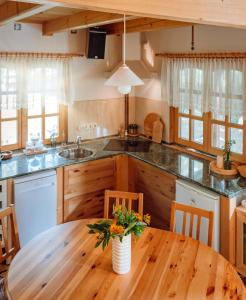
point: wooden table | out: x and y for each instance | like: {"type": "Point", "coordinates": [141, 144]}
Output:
{"type": "Point", "coordinates": [62, 263]}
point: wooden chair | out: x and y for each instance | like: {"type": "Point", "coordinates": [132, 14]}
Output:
{"type": "Point", "coordinates": [9, 244]}
{"type": "Point", "coordinates": [192, 211]}
{"type": "Point", "coordinates": [10, 238]}
{"type": "Point", "coordinates": [122, 198]}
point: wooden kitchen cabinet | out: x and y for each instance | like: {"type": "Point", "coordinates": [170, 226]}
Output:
{"type": "Point", "coordinates": [85, 183]}
{"type": "Point", "coordinates": [158, 188]}
{"type": "Point", "coordinates": [84, 186]}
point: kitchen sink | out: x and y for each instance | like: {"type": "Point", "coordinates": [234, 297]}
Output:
{"type": "Point", "coordinates": [75, 153]}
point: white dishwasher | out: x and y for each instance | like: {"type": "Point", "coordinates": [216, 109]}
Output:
{"type": "Point", "coordinates": [35, 204]}
{"type": "Point", "coordinates": [194, 195]}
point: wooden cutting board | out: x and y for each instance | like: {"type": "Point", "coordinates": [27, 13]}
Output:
{"type": "Point", "coordinates": [149, 123]}
{"type": "Point", "coordinates": [157, 131]}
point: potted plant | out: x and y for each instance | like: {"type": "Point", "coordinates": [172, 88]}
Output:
{"type": "Point", "coordinates": [120, 229]}
{"type": "Point", "coordinates": [227, 154]}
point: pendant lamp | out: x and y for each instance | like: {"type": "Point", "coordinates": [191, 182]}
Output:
{"type": "Point", "coordinates": [124, 78]}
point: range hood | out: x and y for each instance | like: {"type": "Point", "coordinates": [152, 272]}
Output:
{"type": "Point", "coordinates": [137, 66]}
{"type": "Point", "coordinates": [133, 57]}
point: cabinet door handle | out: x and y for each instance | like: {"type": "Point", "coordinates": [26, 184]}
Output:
{"type": "Point", "coordinates": [76, 171]}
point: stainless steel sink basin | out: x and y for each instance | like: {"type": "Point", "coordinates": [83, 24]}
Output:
{"type": "Point", "coordinates": [75, 153]}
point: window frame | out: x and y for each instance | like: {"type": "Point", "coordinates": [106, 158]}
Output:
{"type": "Point", "coordinates": [62, 121]}
{"type": "Point", "coordinates": [18, 121]}
{"type": "Point", "coordinates": [208, 121]}
{"type": "Point", "coordinates": [22, 128]}
{"type": "Point", "coordinates": [189, 142]}
{"type": "Point", "coordinates": [9, 86]}
{"type": "Point", "coordinates": [228, 125]}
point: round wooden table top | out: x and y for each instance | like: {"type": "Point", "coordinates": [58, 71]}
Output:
{"type": "Point", "coordinates": [62, 263]}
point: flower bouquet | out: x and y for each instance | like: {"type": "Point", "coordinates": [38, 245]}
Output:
{"type": "Point", "coordinates": [120, 229]}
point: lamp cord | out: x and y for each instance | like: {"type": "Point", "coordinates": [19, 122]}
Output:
{"type": "Point", "coordinates": [124, 41]}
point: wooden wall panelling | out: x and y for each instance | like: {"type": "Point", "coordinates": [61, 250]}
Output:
{"type": "Point", "coordinates": [10, 192]}
{"type": "Point", "coordinates": [172, 129]}
{"type": "Point", "coordinates": [121, 173]}
{"type": "Point", "coordinates": [158, 188]}
{"type": "Point", "coordinates": [60, 195]}
{"type": "Point", "coordinates": [84, 186]}
{"type": "Point", "coordinates": [131, 175]}
{"type": "Point", "coordinates": [10, 200]}
{"type": "Point", "coordinates": [228, 228]}
{"type": "Point", "coordinates": [240, 244]}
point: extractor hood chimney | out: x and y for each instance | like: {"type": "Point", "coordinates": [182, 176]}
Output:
{"type": "Point", "coordinates": [134, 57]}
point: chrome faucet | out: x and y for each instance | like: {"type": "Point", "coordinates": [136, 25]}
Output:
{"type": "Point", "coordinates": [78, 140]}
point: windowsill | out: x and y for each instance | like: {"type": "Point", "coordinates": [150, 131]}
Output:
{"type": "Point", "coordinates": [192, 151]}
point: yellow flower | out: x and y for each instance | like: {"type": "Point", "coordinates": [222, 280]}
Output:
{"type": "Point", "coordinates": [138, 216]}
{"type": "Point", "coordinates": [116, 229]}
{"type": "Point", "coordinates": [118, 208]}
{"type": "Point", "coordinates": [147, 219]}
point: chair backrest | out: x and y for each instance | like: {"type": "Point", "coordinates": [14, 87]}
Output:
{"type": "Point", "coordinates": [122, 198]}
{"type": "Point", "coordinates": [192, 211]}
{"type": "Point", "coordinates": [10, 243]}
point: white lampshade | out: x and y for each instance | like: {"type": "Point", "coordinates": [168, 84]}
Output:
{"type": "Point", "coordinates": [124, 79]}
{"type": "Point", "coordinates": [125, 89]}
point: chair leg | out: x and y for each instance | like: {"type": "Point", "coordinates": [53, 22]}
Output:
{"type": "Point", "coordinates": [3, 294]}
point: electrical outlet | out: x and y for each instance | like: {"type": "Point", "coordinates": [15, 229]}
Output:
{"type": "Point", "coordinates": [17, 26]}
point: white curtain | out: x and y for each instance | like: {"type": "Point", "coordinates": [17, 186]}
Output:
{"type": "Point", "coordinates": [204, 85]}
{"type": "Point", "coordinates": [25, 80]}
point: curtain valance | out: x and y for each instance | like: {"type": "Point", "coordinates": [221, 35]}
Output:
{"type": "Point", "coordinates": [26, 79]}
{"type": "Point", "coordinates": [205, 85]}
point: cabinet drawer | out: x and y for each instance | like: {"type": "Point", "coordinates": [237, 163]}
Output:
{"type": "Point", "coordinates": [87, 177]}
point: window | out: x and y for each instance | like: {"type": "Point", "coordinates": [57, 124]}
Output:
{"type": "Point", "coordinates": [209, 104]}
{"type": "Point", "coordinates": [9, 120]}
{"type": "Point", "coordinates": [190, 116]}
{"type": "Point", "coordinates": [42, 115]}
{"type": "Point", "coordinates": [227, 122]}
{"type": "Point", "coordinates": [44, 121]}
{"type": "Point", "coordinates": [43, 106]}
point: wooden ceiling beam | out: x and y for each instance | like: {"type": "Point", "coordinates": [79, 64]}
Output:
{"type": "Point", "coordinates": [142, 25]}
{"type": "Point", "coordinates": [11, 11]}
{"type": "Point", "coordinates": [79, 20]}
{"type": "Point", "coordinates": [223, 13]}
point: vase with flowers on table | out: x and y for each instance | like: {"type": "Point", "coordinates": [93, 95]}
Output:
{"type": "Point", "coordinates": [120, 230]}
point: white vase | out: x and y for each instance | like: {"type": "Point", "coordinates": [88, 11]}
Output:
{"type": "Point", "coordinates": [121, 254]}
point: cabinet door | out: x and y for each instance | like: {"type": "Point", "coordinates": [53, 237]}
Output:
{"type": "Point", "coordinates": [84, 186]}
{"type": "Point", "coordinates": [241, 240]}
{"type": "Point", "coordinates": [158, 188]}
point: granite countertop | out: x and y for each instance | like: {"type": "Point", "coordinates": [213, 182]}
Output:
{"type": "Point", "coordinates": [182, 165]}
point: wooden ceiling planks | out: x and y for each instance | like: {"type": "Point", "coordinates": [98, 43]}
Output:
{"type": "Point", "coordinates": [57, 19]}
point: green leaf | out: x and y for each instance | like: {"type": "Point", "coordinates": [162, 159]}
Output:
{"type": "Point", "coordinates": [98, 243]}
